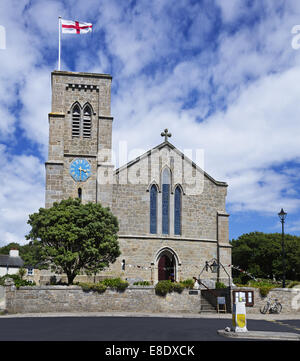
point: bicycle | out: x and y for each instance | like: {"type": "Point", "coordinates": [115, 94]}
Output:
{"type": "Point", "coordinates": [274, 307]}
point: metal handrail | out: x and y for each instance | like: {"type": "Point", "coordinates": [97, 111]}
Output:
{"type": "Point", "coordinates": [209, 290]}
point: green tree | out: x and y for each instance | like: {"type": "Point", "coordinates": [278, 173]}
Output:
{"type": "Point", "coordinates": [9, 246]}
{"type": "Point", "coordinates": [261, 254]}
{"type": "Point", "coordinates": [73, 236]}
{"type": "Point", "coordinates": [30, 254]}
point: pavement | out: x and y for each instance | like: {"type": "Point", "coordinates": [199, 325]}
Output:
{"type": "Point", "coordinates": [261, 335]}
{"type": "Point", "coordinates": [254, 316]}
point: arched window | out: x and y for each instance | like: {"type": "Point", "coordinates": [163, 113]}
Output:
{"type": "Point", "coordinates": [87, 122]}
{"type": "Point", "coordinates": [80, 193]}
{"type": "Point", "coordinates": [76, 121]}
{"type": "Point", "coordinates": [177, 211]}
{"type": "Point", "coordinates": [165, 200]}
{"type": "Point", "coordinates": [153, 209]}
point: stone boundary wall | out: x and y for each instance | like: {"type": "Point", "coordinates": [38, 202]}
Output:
{"type": "Point", "coordinates": [288, 297]}
{"type": "Point", "coordinates": [38, 299]}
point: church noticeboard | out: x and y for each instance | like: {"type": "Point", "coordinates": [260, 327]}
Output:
{"type": "Point", "coordinates": [221, 301]}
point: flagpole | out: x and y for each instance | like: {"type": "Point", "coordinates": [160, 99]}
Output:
{"type": "Point", "coordinates": [59, 40]}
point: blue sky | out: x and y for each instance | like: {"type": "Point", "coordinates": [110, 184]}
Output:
{"type": "Point", "coordinates": [220, 75]}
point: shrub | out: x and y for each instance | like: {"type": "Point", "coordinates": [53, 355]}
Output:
{"type": "Point", "coordinates": [264, 290]}
{"type": "Point", "coordinates": [293, 283]}
{"type": "Point", "coordinates": [264, 286]}
{"type": "Point", "coordinates": [22, 272]}
{"type": "Point", "coordinates": [164, 287]}
{"type": "Point", "coordinates": [220, 285]}
{"type": "Point", "coordinates": [96, 287]}
{"type": "Point", "coordinates": [142, 283]}
{"type": "Point", "coordinates": [115, 283]}
{"type": "Point", "coordinates": [18, 281]}
{"type": "Point", "coordinates": [189, 283]}
{"type": "Point", "coordinates": [178, 287]}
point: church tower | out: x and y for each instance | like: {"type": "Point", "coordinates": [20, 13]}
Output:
{"type": "Point", "coordinates": [80, 137]}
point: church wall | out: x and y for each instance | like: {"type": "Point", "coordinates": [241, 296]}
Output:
{"type": "Point", "coordinates": [140, 255]}
{"type": "Point", "coordinates": [131, 204]}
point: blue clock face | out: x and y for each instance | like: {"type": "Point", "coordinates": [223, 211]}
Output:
{"type": "Point", "coordinates": [80, 170]}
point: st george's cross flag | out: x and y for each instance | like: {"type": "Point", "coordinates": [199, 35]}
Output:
{"type": "Point", "coordinates": [71, 27]}
{"type": "Point", "coordinates": [75, 27]}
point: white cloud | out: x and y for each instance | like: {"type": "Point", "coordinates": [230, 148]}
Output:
{"type": "Point", "coordinates": [244, 84]}
{"type": "Point", "coordinates": [22, 193]}
{"type": "Point", "coordinates": [36, 100]}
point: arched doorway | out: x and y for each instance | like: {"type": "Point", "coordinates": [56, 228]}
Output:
{"type": "Point", "coordinates": [167, 265]}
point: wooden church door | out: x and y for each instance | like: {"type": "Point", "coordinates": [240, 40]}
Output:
{"type": "Point", "coordinates": [166, 270]}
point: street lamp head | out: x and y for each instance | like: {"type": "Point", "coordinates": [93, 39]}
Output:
{"type": "Point", "coordinates": [214, 267]}
{"type": "Point", "coordinates": [282, 214]}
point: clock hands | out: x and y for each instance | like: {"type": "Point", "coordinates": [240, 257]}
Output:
{"type": "Point", "coordinates": [81, 170]}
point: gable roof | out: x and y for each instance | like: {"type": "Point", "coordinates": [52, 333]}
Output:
{"type": "Point", "coordinates": [171, 146]}
{"type": "Point", "coordinates": [8, 261]}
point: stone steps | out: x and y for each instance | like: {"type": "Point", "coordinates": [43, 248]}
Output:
{"type": "Point", "coordinates": [207, 307]}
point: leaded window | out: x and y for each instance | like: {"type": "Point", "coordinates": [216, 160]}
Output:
{"type": "Point", "coordinates": [153, 209]}
{"type": "Point", "coordinates": [165, 200]}
{"type": "Point", "coordinates": [177, 211]}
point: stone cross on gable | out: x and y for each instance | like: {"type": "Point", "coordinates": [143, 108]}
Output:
{"type": "Point", "coordinates": [166, 134]}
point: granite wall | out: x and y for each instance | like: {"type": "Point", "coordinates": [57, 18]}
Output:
{"type": "Point", "coordinates": [74, 299]}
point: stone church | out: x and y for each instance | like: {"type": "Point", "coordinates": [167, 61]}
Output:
{"type": "Point", "coordinates": [172, 216]}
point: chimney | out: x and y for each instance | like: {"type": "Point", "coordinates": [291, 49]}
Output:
{"type": "Point", "coordinates": [14, 253]}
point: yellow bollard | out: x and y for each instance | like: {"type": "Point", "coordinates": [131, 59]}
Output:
{"type": "Point", "coordinates": [239, 316]}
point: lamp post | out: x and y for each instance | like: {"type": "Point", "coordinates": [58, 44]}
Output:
{"type": "Point", "coordinates": [282, 215]}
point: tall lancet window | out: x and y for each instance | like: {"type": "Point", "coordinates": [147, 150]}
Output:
{"type": "Point", "coordinates": [153, 209]}
{"type": "Point", "coordinates": [80, 193]}
{"type": "Point", "coordinates": [165, 200]}
{"type": "Point", "coordinates": [87, 122]}
{"type": "Point", "coordinates": [76, 121]}
{"type": "Point", "coordinates": [177, 211]}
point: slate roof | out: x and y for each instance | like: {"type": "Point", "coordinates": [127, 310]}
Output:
{"type": "Point", "coordinates": [171, 146]}
{"type": "Point", "coordinates": [6, 260]}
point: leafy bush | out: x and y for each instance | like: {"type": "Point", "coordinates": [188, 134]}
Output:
{"type": "Point", "coordinates": [189, 283]}
{"type": "Point", "coordinates": [293, 284]}
{"type": "Point", "coordinates": [22, 272]}
{"type": "Point", "coordinates": [220, 285]}
{"type": "Point", "coordinates": [264, 290]}
{"type": "Point", "coordinates": [142, 283]}
{"type": "Point", "coordinates": [96, 287]}
{"type": "Point", "coordinates": [264, 286]}
{"type": "Point", "coordinates": [100, 287]}
{"type": "Point", "coordinates": [115, 283]}
{"type": "Point", "coordinates": [164, 287]}
{"type": "Point", "coordinates": [18, 281]}
{"type": "Point", "coordinates": [178, 287]}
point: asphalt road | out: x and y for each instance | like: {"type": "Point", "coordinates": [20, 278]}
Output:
{"type": "Point", "coordinates": [127, 328]}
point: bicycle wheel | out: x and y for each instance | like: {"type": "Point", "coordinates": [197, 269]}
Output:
{"type": "Point", "coordinates": [277, 307]}
{"type": "Point", "coordinates": [264, 309]}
